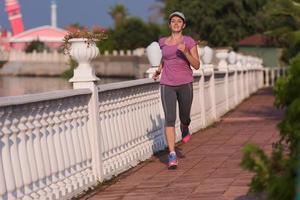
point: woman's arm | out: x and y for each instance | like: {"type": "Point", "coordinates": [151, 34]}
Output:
{"type": "Point", "coordinates": [191, 55]}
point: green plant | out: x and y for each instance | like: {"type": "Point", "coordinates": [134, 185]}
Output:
{"type": "Point", "coordinates": [36, 45]}
{"type": "Point", "coordinates": [67, 74]}
{"type": "Point", "coordinates": [96, 35]}
{"type": "Point", "coordinates": [276, 174]}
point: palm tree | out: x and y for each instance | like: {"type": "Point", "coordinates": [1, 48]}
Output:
{"type": "Point", "coordinates": [157, 12]}
{"type": "Point", "coordinates": [118, 12]}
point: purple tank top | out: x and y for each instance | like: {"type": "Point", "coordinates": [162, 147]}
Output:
{"type": "Point", "coordinates": [176, 67]}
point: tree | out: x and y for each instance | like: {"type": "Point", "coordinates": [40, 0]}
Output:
{"type": "Point", "coordinates": [118, 12]}
{"type": "Point", "coordinates": [156, 12]}
{"type": "Point", "coordinates": [36, 45]}
{"type": "Point", "coordinates": [220, 22]}
{"type": "Point", "coordinates": [134, 33]}
{"type": "Point", "coordinates": [284, 25]}
{"type": "Point", "coordinates": [129, 33]}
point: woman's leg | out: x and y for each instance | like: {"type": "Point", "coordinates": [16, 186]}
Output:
{"type": "Point", "coordinates": [170, 135]}
{"type": "Point", "coordinates": [185, 99]}
{"type": "Point", "coordinates": [168, 97]}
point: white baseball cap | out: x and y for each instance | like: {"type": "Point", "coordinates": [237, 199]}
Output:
{"type": "Point", "coordinates": [178, 14]}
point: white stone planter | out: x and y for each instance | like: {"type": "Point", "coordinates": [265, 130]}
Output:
{"type": "Point", "coordinates": [83, 53]}
{"type": "Point", "coordinates": [207, 55]}
{"type": "Point", "coordinates": [222, 55]}
{"type": "Point", "coordinates": [232, 58]}
{"type": "Point", "coordinates": [154, 56]}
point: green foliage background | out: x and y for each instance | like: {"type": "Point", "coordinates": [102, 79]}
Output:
{"type": "Point", "coordinates": [276, 175]}
{"type": "Point", "coordinates": [220, 22]}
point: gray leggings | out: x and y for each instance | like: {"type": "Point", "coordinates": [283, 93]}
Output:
{"type": "Point", "coordinates": [184, 95]}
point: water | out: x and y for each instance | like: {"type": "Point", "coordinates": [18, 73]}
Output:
{"type": "Point", "coordinates": [13, 86]}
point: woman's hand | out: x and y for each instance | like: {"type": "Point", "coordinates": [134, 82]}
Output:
{"type": "Point", "coordinates": [183, 48]}
{"type": "Point", "coordinates": [155, 76]}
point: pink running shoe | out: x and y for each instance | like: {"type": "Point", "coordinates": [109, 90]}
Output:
{"type": "Point", "coordinates": [185, 133]}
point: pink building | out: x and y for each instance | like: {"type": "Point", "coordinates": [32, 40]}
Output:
{"type": "Point", "coordinates": [50, 35]}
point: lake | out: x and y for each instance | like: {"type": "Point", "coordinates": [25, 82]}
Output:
{"type": "Point", "coordinates": [13, 86]}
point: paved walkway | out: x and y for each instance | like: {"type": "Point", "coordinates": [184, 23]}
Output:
{"type": "Point", "coordinates": [208, 164]}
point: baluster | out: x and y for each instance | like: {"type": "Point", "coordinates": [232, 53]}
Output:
{"type": "Point", "coordinates": [135, 125]}
{"type": "Point", "coordinates": [2, 176]}
{"type": "Point", "coordinates": [136, 119]}
{"type": "Point", "coordinates": [71, 147]}
{"type": "Point", "coordinates": [52, 155]}
{"type": "Point", "coordinates": [16, 161]}
{"type": "Point", "coordinates": [129, 116]}
{"type": "Point", "coordinates": [125, 131]}
{"type": "Point", "coordinates": [107, 138]}
{"type": "Point", "coordinates": [102, 117]}
{"type": "Point", "coordinates": [78, 153]}
{"type": "Point", "coordinates": [113, 134]}
{"type": "Point", "coordinates": [81, 140]}
{"type": "Point", "coordinates": [141, 114]}
{"type": "Point", "coordinates": [45, 148]}
{"type": "Point", "coordinates": [87, 136]}
{"type": "Point", "coordinates": [38, 150]}
{"type": "Point", "coordinates": [117, 122]}
{"type": "Point", "coordinates": [3, 189]}
{"type": "Point", "coordinates": [66, 154]}
{"type": "Point", "coordinates": [60, 148]}
{"type": "Point", "coordinates": [8, 183]}
{"type": "Point", "coordinates": [123, 122]}
{"type": "Point", "coordinates": [127, 126]}
{"type": "Point", "coordinates": [105, 132]}
{"type": "Point", "coordinates": [30, 150]}
{"type": "Point", "coordinates": [112, 126]}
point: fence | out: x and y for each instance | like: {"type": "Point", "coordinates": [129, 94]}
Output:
{"type": "Point", "coordinates": [54, 145]}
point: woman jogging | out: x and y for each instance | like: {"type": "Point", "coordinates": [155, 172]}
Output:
{"type": "Point", "coordinates": [179, 52]}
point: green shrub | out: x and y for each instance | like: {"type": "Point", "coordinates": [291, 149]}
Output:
{"type": "Point", "coordinates": [276, 174]}
{"type": "Point", "coordinates": [70, 72]}
{"type": "Point", "coordinates": [36, 45]}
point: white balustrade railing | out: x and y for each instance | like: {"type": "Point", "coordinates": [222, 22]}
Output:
{"type": "Point", "coordinates": [45, 146]}
{"type": "Point", "coordinates": [131, 123]}
{"type": "Point", "coordinates": [57, 144]}
{"type": "Point", "coordinates": [53, 57]}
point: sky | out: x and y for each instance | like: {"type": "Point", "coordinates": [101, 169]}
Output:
{"type": "Point", "coordinates": [85, 12]}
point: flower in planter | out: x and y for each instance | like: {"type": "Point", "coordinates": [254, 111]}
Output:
{"type": "Point", "coordinates": [95, 35]}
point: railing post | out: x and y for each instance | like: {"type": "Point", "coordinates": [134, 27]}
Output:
{"type": "Point", "coordinates": [84, 77]}
{"type": "Point", "coordinates": [239, 77]}
{"type": "Point", "coordinates": [267, 77]}
{"type": "Point", "coordinates": [232, 58]}
{"type": "Point", "coordinates": [272, 77]}
{"type": "Point", "coordinates": [201, 87]}
{"type": "Point", "coordinates": [222, 55]}
{"type": "Point", "coordinates": [247, 75]}
{"type": "Point", "coordinates": [209, 68]}
{"type": "Point", "coordinates": [261, 70]}
{"type": "Point", "coordinates": [202, 99]}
